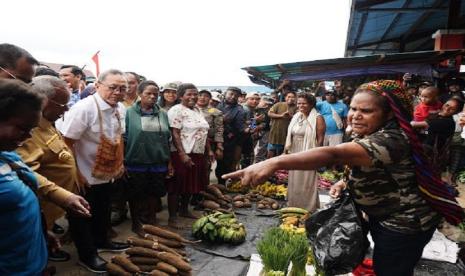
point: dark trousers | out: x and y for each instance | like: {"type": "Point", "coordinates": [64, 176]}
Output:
{"type": "Point", "coordinates": [89, 233]}
{"type": "Point", "coordinates": [397, 253]}
{"type": "Point", "coordinates": [225, 165]}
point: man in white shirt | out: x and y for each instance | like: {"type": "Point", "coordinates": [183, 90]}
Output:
{"type": "Point", "coordinates": [90, 123]}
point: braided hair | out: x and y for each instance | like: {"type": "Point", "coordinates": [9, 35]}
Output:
{"type": "Point", "coordinates": [432, 188]}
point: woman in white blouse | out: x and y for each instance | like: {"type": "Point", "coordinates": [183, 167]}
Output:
{"type": "Point", "coordinates": [190, 161]}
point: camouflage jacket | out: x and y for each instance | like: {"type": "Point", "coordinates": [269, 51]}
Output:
{"type": "Point", "coordinates": [387, 191]}
{"type": "Point", "coordinates": [214, 118]}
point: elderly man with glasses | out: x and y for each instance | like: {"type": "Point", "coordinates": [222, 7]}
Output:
{"type": "Point", "coordinates": [93, 129]}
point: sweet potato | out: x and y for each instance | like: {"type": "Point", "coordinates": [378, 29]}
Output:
{"type": "Point", "coordinates": [125, 263]}
{"type": "Point", "coordinates": [220, 187]}
{"type": "Point", "coordinates": [238, 204]}
{"type": "Point", "coordinates": [223, 203]}
{"type": "Point", "coordinates": [209, 204]}
{"type": "Point", "coordinates": [239, 198]}
{"type": "Point", "coordinates": [166, 268]}
{"type": "Point", "coordinates": [167, 242]}
{"type": "Point", "coordinates": [157, 272]}
{"type": "Point", "coordinates": [144, 261]}
{"type": "Point", "coordinates": [174, 261]}
{"type": "Point", "coordinates": [208, 196]}
{"type": "Point", "coordinates": [228, 198]}
{"type": "Point", "coordinates": [215, 191]}
{"type": "Point", "coordinates": [147, 268]}
{"type": "Point", "coordinates": [261, 206]}
{"type": "Point", "coordinates": [157, 231]}
{"type": "Point", "coordinates": [141, 251]}
{"type": "Point", "coordinates": [114, 269]}
{"type": "Point", "coordinates": [274, 206]}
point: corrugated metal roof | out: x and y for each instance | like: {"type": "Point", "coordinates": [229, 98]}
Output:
{"type": "Point", "coordinates": [380, 26]}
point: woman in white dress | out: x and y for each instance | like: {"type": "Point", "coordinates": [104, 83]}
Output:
{"type": "Point", "coordinates": [306, 131]}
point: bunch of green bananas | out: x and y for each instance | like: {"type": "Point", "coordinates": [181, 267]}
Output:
{"type": "Point", "coordinates": [219, 227]}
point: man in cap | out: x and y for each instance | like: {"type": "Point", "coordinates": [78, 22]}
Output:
{"type": "Point", "coordinates": [264, 123]}
{"type": "Point", "coordinates": [214, 118]}
{"type": "Point", "coordinates": [252, 130]}
{"type": "Point", "coordinates": [216, 99]}
{"type": "Point", "coordinates": [234, 128]}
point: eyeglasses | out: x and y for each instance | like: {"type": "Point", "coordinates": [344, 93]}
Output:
{"type": "Point", "coordinates": [8, 72]}
{"type": "Point", "coordinates": [58, 104]}
{"type": "Point", "coordinates": [16, 77]}
{"type": "Point", "coordinates": [114, 88]}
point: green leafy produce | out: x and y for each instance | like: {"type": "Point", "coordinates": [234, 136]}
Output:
{"type": "Point", "coordinates": [275, 250]}
{"type": "Point", "coordinates": [299, 244]}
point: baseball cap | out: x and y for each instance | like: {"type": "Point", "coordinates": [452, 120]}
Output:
{"type": "Point", "coordinates": [267, 99]}
{"type": "Point", "coordinates": [216, 96]}
{"type": "Point", "coordinates": [251, 94]}
{"type": "Point", "coordinates": [170, 86]}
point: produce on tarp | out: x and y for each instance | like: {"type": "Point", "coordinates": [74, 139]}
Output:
{"type": "Point", "coordinates": [279, 248]}
{"type": "Point", "coordinates": [271, 190]}
{"type": "Point", "coordinates": [219, 227]}
{"type": "Point", "coordinates": [158, 252]}
{"type": "Point", "coordinates": [214, 199]}
{"type": "Point", "coordinates": [327, 178]}
{"type": "Point", "coordinates": [293, 219]}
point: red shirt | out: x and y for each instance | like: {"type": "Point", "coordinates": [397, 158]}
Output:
{"type": "Point", "coordinates": [422, 111]}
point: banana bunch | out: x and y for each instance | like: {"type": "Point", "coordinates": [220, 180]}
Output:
{"type": "Point", "coordinates": [272, 190]}
{"type": "Point", "coordinates": [219, 227]}
{"type": "Point", "coordinates": [292, 219]}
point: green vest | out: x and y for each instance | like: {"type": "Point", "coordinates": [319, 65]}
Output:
{"type": "Point", "coordinates": [147, 137]}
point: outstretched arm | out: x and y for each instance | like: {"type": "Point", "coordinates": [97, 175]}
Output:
{"type": "Point", "coordinates": [347, 153]}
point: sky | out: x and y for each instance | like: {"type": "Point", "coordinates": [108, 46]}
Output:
{"type": "Point", "coordinates": [205, 42]}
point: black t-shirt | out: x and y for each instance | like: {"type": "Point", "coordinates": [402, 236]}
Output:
{"type": "Point", "coordinates": [440, 129]}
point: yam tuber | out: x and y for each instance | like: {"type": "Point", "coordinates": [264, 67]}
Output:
{"type": "Point", "coordinates": [209, 204]}
{"type": "Point", "coordinates": [114, 269]}
{"type": "Point", "coordinates": [157, 231]}
{"type": "Point", "coordinates": [125, 263]}
{"type": "Point", "coordinates": [166, 268]}
{"type": "Point", "coordinates": [144, 260]}
{"type": "Point", "coordinates": [174, 261]}
{"type": "Point", "coordinates": [157, 272]}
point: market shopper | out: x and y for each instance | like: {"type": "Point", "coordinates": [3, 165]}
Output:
{"type": "Point", "coordinates": [390, 179]}
{"type": "Point", "coordinates": [73, 76]}
{"type": "Point", "coordinates": [280, 115]}
{"type": "Point", "coordinates": [93, 131]}
{"type": "Point", "coordinates": [306, 131]}
{"type": "Point", "coordinates": [334, 113]}
{"type": "Point", "coordinates": [439, 129]}
{"type": "Point", "coordinates": [234, 126]}
{"type": "Point", "coordinates": [147, 155]}
{"type": "Point", "coordinates": [252, 129]}
{"type": "Point", "coordinates": [168, 97]}
{"type": "Point", "coordinates": [264, 122]}
{"type": "Point", "coordinates": [23, 249]}
{"type": "Point", "coordinates": [190, 161]}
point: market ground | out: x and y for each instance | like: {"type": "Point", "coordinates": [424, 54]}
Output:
{"type": "Point", "coordinates": [71, 267]}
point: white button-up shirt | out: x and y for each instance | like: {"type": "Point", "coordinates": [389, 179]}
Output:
{"type": "Point", "coordinates": [81, 123]}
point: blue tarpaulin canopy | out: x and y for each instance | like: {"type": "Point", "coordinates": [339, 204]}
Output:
{"type": "Point", "coordinates": [419, 63]}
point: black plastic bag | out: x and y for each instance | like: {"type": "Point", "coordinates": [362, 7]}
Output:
{"type": "Point", "coordinates": [338, 240]}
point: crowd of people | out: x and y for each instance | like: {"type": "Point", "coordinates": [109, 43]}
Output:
{"type": "Point", "coordinates": [91, 150]}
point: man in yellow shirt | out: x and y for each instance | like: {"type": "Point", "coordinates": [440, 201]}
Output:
{"type": "Point", "coordinates": [55, 167]}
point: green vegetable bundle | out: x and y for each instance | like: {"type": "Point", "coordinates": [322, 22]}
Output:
{"type": "Point", "coordinates": [275, 250]}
